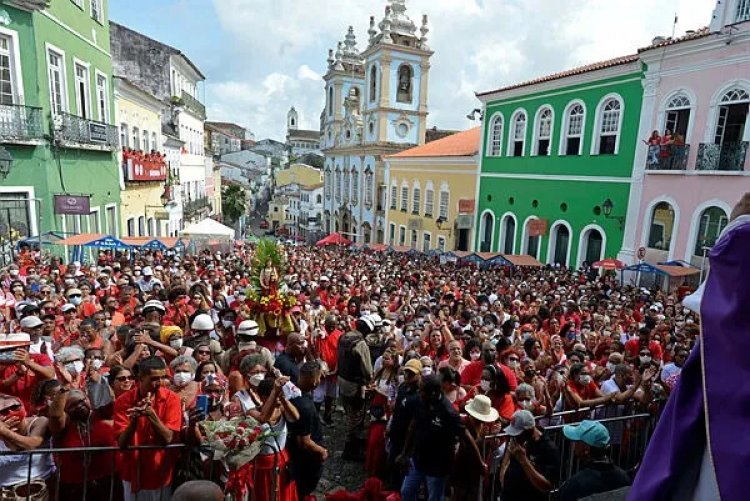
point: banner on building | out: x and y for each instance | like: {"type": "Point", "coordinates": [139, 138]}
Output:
{"type": "Point", "coordinates": [466, 206]}
{"type": "Point", "coordinates": [537, 227]}
{"type": "Point", "coordinates": [73, 205]}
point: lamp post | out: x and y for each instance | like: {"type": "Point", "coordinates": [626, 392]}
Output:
{"type": "Point", "coordinates": [164, 199]}
{"type": "Point", "coordinates": [607, 207]}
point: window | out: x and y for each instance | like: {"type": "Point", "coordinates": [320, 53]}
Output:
{"type": "Point", "coordinates": [429, 202]}
{"type": "Point", "coordinates": [713, 220]}
{"type": "Point", "coordinates": [346, 185]}
{"type": "Point", "coordinates": [82, 91]}
{"type": "Point", "coordinates": [330, 101]}
{"type": "Point", "coordinates": [661, 227]}
{"type": "Point", "coordinates": [368, 188]}
{"type": "Point", "coordinates": [136, 138]}
{"type": "Point", "coordinates": [392, 233]}
{"type": "Point", "coordinates": [426, 242]}
{"type": "Point", "coordinates": [7, 71]}
{"type": "Point", "coordinates": [444, 201]}
{"type": "Point", "coordinates": [404, 198]}
{"type": "Point", "coordinates": [355, 187]}
{"type": "Point", "coordinates": [124, 140]}
{"type": "Point", "coordinates": [574, 119]}
{"type": "Point", "coordinates": [401, 235]}
{"type": "Point", "coordinates": [509, 234]}
{"type": "Point", "coordinates": [96, 10]}
{"type": "Point", "coordinates": [519, 135]}
{"type": "Point", "coordinates": [56, 69]}
{"type": "Point", "coordinates": [496, 136]}
{"type": "Point", "coordinates": [111, 221]}
{"type": "Point", "coordinates": [414, 238]}
{"type": "Point", "coordinates": [416, 201]}
{"type": "Point", "coordinates": [678, 115]}
{"type": "Point", "coordinates": [486, 232]}
{"type": "Point", "coordinates": [94, 222]}
{"type": "Point", "coordinates": [543, 132]}
{"type": "Point", "coordinates": [102, 98]}
{"type": "Point", "coordinates": [327, 185]}
{"type": "Point", "coordinates": [373, 83]}
{"type": "Point", "coordinates": [145, 145]}
{"type": "Point", "coordinates": [154, 145]}
{"type": "Point", "coordinates": [394, 196]}
{"type": "Point", "coordinates": [609, 127]}
{"type": "Point", "coordinates": [79, 3]}
{"type": "Point", "coordinates": [404, 91]}
{"type": "Point", "coordinates": [743, 11]}
{"type": "Point", "coordinates": [441, 244]}
{"type": "Point", "coordinates": [142, 226]}
{"type": "Point", "coordinates": [131, 227]}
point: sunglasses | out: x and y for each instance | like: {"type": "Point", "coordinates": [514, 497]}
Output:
{"type": "Point", "coordinates": [203, 352]}
{"type": "Point", "coordinates": [125, 378]}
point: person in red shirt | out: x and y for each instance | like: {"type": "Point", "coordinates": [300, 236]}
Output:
{"type": "Point", "coordinates": [149, 414]}
{"type": "Point", "coordinates": [582, 391]}
{"type": "Point", "coordinates": [21, 371]}
{"type": "Point", "coordinates": [633, 346]}
{"type": "Point", "coordinates": [326, 344]}
{"type": "Point", "coordinates": [472, 374]}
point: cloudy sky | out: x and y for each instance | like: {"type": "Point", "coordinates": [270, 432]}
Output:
{"type": "Point", "coordinates": [262, 56]}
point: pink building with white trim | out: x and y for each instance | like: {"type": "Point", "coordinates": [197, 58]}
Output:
{"type": "Point", "coordinates": [698, 86]}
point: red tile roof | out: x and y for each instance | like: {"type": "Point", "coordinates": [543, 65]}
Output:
{"type": "Point", "coordinates": [618, 61]}
{"type": "Point", "coordinates": [694, 35]}
{"type": "Point", "coordinates": [462, 144]}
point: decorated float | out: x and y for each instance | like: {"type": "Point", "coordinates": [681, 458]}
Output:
{"type": "Point", "coordinates": [267, 298]}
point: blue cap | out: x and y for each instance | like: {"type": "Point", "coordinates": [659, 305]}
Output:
{"type": "Point", "coordinates": [591, 433]}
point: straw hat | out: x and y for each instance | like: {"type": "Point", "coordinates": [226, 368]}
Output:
{"type": "Point", "coordinates": [480, 407]}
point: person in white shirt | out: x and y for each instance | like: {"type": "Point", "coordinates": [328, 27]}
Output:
{"type": "Point", "coordinates": [147, 281]}
{"type": "Point", "coordinates": [674, 368]}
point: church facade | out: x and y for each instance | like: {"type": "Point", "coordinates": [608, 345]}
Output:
{"type": "Point", "coordinates": [376, 105]}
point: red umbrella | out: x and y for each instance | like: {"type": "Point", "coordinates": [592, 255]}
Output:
{"type": "Point", "coordinates": [609, 264]}
{"type": "Point", "coordinates": [333, 239]}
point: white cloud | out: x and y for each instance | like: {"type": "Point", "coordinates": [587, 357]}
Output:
{"type": "Point", "coordinates": [479, 45]}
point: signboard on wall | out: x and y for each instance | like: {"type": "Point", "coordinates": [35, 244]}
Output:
{"type": "Point", "coordinates": [537, 227]}
{"type": "Point", "coordinates": [466, 206]}
{"type": "Point", "coordinates": [464, 222]}
{"type": "Point", "coordinates": [73, 205]}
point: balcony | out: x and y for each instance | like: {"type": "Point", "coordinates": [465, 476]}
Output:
{"type": "Point", "coordinates": [74, 131]}
{"type": "Point", "coordinates": [194, 105]}
{"type": "Point", "coordinates": [139, 167]}
{"type": "Point", "coordinates": [669, 157]}
{"type": "Point", "coordinates": [722, 157]}
{"type": "Point", "coordinates": [20, 124]}
{"type": "Point", "coordinates": [192, 207]}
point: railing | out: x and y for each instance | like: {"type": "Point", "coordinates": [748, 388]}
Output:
{"type": "Point", "coordinates": [194, 105]}
{"type": "Point", "coordinates": [668, 157]}
{"type": "Point", "coordinates": [722, 157]}
{"type": "Point", "coordinates": [75, 130]}
{"type": "Point", "coordinates": [20, 123]}
{"type": "Point", "coordinates": [192, 206]}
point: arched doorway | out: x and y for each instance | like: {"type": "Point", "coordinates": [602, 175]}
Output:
{"type": "Point", "coordinates": [560, 245]}
{"type": "Point", "coordinates": [487, 229]}
{"type": "Point", "coordinates": [532, 241]}
{"type": "Point", "coordinates": [509, 234]}
{"type": "Point", "coordinates": [593, 246]}
{"type": "Point", "coordinates": [345, 224]}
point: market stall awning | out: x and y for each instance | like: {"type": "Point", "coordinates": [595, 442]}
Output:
{"type": "Point", "coordinates": [80, 239]}
{"type": "Point", "coordinates": [208, 229]}
{"type": "Point", "coordinates": [459, 254]}
{"type": "Point", "coordinates": [677, 271]}
{"type": "Point", "coordinates": [400, 248]}
{"type": "Point", "coordinates": [522, 260]}
{"type": "Point", "coordinates": [97, 240]}
{"type": "Point", "coordinates": [333, 239]}
{"type": "Point", "coordinates": [492, 257]}
{"type": "Point", "coordinates": [155, 243]}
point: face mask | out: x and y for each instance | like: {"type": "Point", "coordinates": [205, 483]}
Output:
{"type": "Point", "coordinates": [474, 355]}
{"type": "Point", "coordinates": [516, 325]}
{"type": "Point", "coordinates": [585, 380]}
{"type": "Point", "coordinates": [182, 378]}
{"type": "Point", "coordinates": [484, 385]}
{"type": "Point", "coordinates": [227, 323]}
{"type": "Point", "coordinates": [75, 301]}
{"type": "Point", "coordinates": [513, 364]}
{"type": "Point", "coordinates": [611, 367]}
{"type": "Point", "coordinates": [137, 273]}
{"type": "Point", "coordinates": [176, 343]}
{"type": "Point", "coordinates": [645, 360]}
{"type": "Point", "coordinates": [13, 273]}
{"type": "Point", "coordinates": [97, 364]}
{"type": "Point", "coordinates": [400, 379]}
{"type": "Point", "coordinates": [530, 373]}
{"type": "Point", "coordinates": [483, 308]}
{"type": "Point", "coordinates": [74, 367]}
{"type": "Point", "coordinates": [427, 371]}
{"type": "Point", "coordinates": [256, 379]}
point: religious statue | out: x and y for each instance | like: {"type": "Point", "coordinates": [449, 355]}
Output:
{"type": "Point", "coordinates": [269, 278]}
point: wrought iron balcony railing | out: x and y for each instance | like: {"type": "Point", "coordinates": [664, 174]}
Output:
{"type": "Point", "coordinates": [192, 206]}
{"type": "Point", "coordinates": [668, 157]}
{"type": "Point", "coordinates": [73, 130]}
{"type": "Point", "coordinates": [722, 157]}
{"type": "Point", "coordinates": [20, 123]}
{"type": "Point", "coordinates": [194, 105]}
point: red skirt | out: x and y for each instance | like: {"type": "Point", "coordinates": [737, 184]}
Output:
{"type": "Point", "coordinates": [375, 458]}
{"type": "Point", "coordinates": [257, 479]}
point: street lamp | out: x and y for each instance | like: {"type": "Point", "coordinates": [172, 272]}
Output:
{"type": "Point", "coordinates": [6, 162]}
{"type": "Point", "coordinates": [607, 207]}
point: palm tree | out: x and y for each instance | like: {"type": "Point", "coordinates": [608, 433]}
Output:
{"type": "Point", "coordinates": [233, 203]}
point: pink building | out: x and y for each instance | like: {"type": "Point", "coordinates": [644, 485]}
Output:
{"type": "Point", "coordinates": [698, 87]}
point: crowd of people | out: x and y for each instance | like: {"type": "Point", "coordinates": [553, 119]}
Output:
{"type": "Point", "coordinates": [423, 358]}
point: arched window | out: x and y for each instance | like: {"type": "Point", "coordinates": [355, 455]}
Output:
{"type": "Point", "coordinates": [318, 199]}
{"type": "Point", "coordinates": [572, 142]}
{"type": "Point", "coordinates": [732, 124]}
{"type": "Point", "coordinates": [593, 246]}
{"type": "Point", "coordinates": [368, 188]}
{"type": "Point", "coordinates": [609, 127]}
{"type": "Point", "coordinates": [429, 200]}
{"type": "Point", "coordinates": [661, 226]}
{"type": "Point", "coordinates": [338, 184]}
{"type": "Point", "coordinates": [405, 84]}
{"type": "Point", "coordinates": [416, 200]}
{"type": "Point", "coordinates": [404, 197]}
{"type": "Point", "coordinates": [330, 101]}
{"type": "Point", "coordinates": [518, 137]}
{"type": "Point", "coordinates": [373, 83]}
{"type": "Point", "coordinates": [533, 241]}
{"type": "Point", "coordinates": [496, 136]}
{"type": "Point", "coordinates": [487, 229]}
{"type": "Point", "coordinates": [543, 131]}
{"type": "Point", "coordinates": [327, 185]}
{"type": "Point", "coordinates": [677, 117]}
{"type": "Point", "coordinates": [711, 223]}
{"type": "Point", "coordinates": [509, 234]}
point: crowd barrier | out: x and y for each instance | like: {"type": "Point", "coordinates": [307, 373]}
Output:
{"type": "Point", "coordinates": [630, 431]}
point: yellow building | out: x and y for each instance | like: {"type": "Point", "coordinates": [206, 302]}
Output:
{"type": "Point", "coordinates": [278, 209]}
{"type": "Point", "coordinates": [142, 174]}
{"type": "Point", "coordinates": [301, 174]}
{"type": "Point", "coordinates": [431, 192]}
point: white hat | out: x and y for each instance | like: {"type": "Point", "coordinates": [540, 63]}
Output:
{"type": "Point", "coordinates": [15, 340]}
{"type": "Point", "coordinates": [521, 421]}
{"type": "Point", "coordinates": [480, 407]}
{"type": "Point", "coordinates": [324, 278]}
{"type": "Point", "coordinates": [153, 303]}
{"type": "Point", "coordinates": [30, 322]}
{"type": "Point", "coordinates": [202, 322]}
{"type": "Point", "coordinates": [147, 271]}
{"type": "Point", "coordinates": [247, 328]}
{"type": "Point", "coordinates": [67, 307]}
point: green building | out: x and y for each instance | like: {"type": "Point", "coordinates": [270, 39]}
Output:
{"type": "Point", "coordinates": [56, 107]}
{"type": "Point", "coordinates": [554, 150]}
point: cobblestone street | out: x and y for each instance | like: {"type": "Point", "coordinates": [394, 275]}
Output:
{"type": "Point", "coordinates": [338, 473]}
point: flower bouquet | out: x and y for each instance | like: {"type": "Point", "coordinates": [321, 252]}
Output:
{"type": "Point", "coordinates": [236, 441]}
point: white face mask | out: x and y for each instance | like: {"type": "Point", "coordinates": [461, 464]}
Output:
{"type": "Point", "coordinates": [513, 364]}
{"type": "Point", "coordinates": [427, 371]}
{"type": "Point", "coordinates": [74, 367]}
{"type": "Point", "coordinates": [76, 301]}
{"type": "Point", "coordinates": [182, 378]}
{"type": "Point", "coordinates": [645, 360]}
{"type": "Point", "coordinates": [585, 380]}
{"type": "Point", "coordinates": [97, 364]}
{"type": "Point", "coordinates": [256, 379]}
{"type": "Point", "coordinates": [484, 385]}
{"type": "Point", "coordinates": [227, 323]}
{"type": "Point", "coordinates": [474, 355]}
{"type": "Point", "coordinates": [176, 343]}
{"type": "Point", "coordinates": [400, 379]}
{"type": "Point", "coordinates": [13, 273]}
{"type": "Point", "coordinates": [611, 367]}
{"type": "Point", "coordinates": [107, 322]}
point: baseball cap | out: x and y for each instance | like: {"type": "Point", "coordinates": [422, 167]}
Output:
{"type": "Point", "coordinates": [414, 366]}
{"type": "Point", "coordinates": [147, 271]}
{"type": "Point", "coordinates": [67, 307]}
{"type": "Point", "coordinates": [521, 421]}
{"type": "Point", "coordinates": [591, 433]}
{"type": "Point", "coordinates": [31, 322]}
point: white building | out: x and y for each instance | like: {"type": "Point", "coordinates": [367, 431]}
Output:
{"type": "Point", "coordinates": [376, 105]}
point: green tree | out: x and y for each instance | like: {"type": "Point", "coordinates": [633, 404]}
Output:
{"type": "Point", "coordinates": [233, 203]}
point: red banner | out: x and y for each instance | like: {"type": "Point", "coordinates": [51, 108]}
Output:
{"type": "Point", "coordinates": [537, 227]}
{"type": "Point", "coordinates": [139, 167]}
